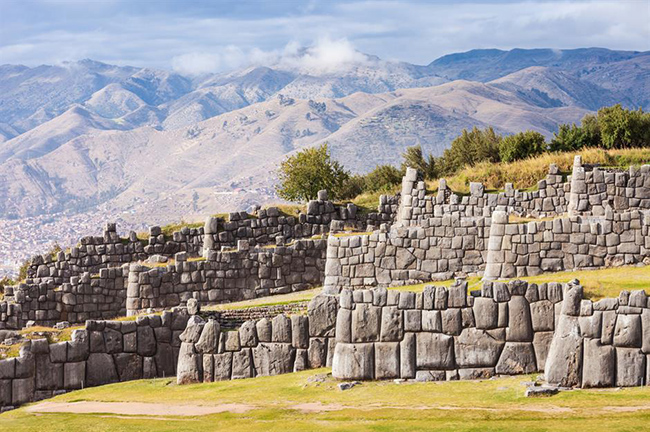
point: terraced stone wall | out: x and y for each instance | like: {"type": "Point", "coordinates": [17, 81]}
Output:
{"type": "Point", "coordinates": [84, 297]}
{"type": "Point", "coordinates": [567, 243]}
{"type": "Point", "coordinates": [601, 344]}
{"type": "Point", "coordinates": [416, 207]}
{"type": "Point", "coordinates": [259, 347]}
{"type": "Point", "coordinates": [104, 352]}
{"type": "Point", "coordinates": [444, 334]}
{"type": "Point", "coordinates": [228, 276]}
{"type": "Point", "coordinates": [594, 189]}
{"type": "Point", "coordinates": [442, 246]}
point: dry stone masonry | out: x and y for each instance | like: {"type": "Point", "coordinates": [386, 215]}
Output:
{"type": "Point", "coordinates": [262, 347]}
{"type": "Point", "coordinates": [104, 352]}
{"type": "Point", "coordinates": [228, 276]}
{"type": "Point", "coordinates": [444, 334]}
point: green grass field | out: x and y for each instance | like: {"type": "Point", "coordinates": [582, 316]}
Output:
{"type": "Point", "coordinates": [597, 284]}
{"type": "Point", "coordinates": [298, 402]}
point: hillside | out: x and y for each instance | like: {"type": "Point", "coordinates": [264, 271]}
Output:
{"type": "Point", "coordinates": [81, 134]}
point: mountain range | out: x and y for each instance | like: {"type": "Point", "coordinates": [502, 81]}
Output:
{"type": "Point", "coordinates": [81, 134]}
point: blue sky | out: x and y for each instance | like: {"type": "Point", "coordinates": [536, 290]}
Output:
{"type": "Point", "coordinates": [210, 36]}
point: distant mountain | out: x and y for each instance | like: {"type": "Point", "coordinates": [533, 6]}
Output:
{"type": "Point", "coordinates": [86, 133]}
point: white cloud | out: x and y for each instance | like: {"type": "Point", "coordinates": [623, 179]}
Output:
{"type": "Point", "coordinates": [323, 57]}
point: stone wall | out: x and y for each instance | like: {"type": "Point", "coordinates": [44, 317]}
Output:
{"type": "Point", "coordinates": [228, 276]}
{"type": "Point", "coordinates": [104, 352]}
{"type": "Point", "coordinates": [266, 226]}
{"type": "Point", "coordinates": [593, 189]}
{"type": "Point", "coordinates": [441, 247]}
{"type": "Point", "coordinates": [84, 297]}
{"type": "Point", "coordinates": [567, 243]}
{"type": "Point", "coordinates": [601, 344]}
{"type": "Point", "coordinates": [416, 207]}
{"type": "Point", "coordinates": [444, 334]}
{"type": "Point", "coordinates": [258, 348]}
{"type": "Point", "coordinates": [110, 250]}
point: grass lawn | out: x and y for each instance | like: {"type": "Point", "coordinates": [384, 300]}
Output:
{"type": "Point", "coordinates": [299, 402]}
{"type": "Point", "coordinates": [597, 283]}
{"type": "Point", "coordinates": [280, 299]}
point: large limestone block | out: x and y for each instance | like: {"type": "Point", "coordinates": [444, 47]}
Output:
{"type": "Point", "coordinates": [146, 341]}
{"type": "Point", "coordinates": [645, 327]}
{"type": "Point", "coordinates": [391, 324]}
{"type": "Point", "coordinates": [165, 360]}
{"type": "Point", "coordinates": [5, 392]}
{"type": "Point", "coordinates": [542, 344]}
{"type": "Point", "coordinates": [242, 364]}
{"type": "Point", "coordinates": [517, 358]}
{"type": "Point", "coordinates": [322, 311]}
{"type": "Point", "coordinates": [100, 369]}
{"type": "Point", "coordinates": [599, 367]}
{"type": "Point", "coordinates": [222, 364]}
{"type": "Point", "coordinates": [188, 369]}
{"type": "Point", "coordinates": [22, 391]}
{"type": "Point", "coordinates": [354, 361]}
{"type": "Point", "coordinates": [542, 314]}
{"type": "Point", "coordinates": [301, 362]}
{"type": "Point", "coordinates": [486, 313]}
{"type": "Point", "coordinates": [74, 375]}
{"type": "Point", "coordinates": [564, 362]}
{"type": "Point", "coordinates": [452, 321]}
{"type": "Point", "coordinates": [591, 326]}
{"type": "Point", "coordinates": [476, 348]}
{"type": "Point", "coordinates": [387, 358]}
{"type": "Point", "coordinates": [520, 327]}
{"type": "Point", "coordinates": [299, 331]}
{"type": "Point", "coordinates": [365, 323]}
{"type": "Point", "coordinates": [273, 358]}
{"type": "Point", "coordinates": [434, 351]}
{"type": "Point", "coordinates": [630, 367]}
{"type": "Point", "coordinates": [344, 326]}
{"type": "Point", "coordinates": [475, 373]}
{"type": "Point", "coordinates": [281, 329]}
{"type": "Point", "coordinates": [627, 332]}
{"type": "Point", "coordinates": [192, 332]}
{"type": "Point", "coordinates": [572, 300]}
{"type": "Point", "coordinates": [407, 356]}
{"type": "Point", "coordinates": [49, 376]}
{"type": "Point", "coordinates": [209, 340]}
{"type": "Point", "coordinates": [430, 375]}
{"type": "Point", "coordinates": [78, 347]}
{"type": "Point", "coordinates": [129, 366]}
{"type": "Point", "coordinates": [263, 328]}
{"type": "Point", "coordinates": [431, 320]}
{"type": "Point", "coordinates": [608, 326]}
{"type": "Point", "coordinates": [317, 352]}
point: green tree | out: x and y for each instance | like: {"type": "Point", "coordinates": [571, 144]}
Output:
{"type": "Point", "coordinates": [521, 146]}
{"type": "Point", "coordinates": [413, 157]}
{"type": "Point", "coordinates": [382, 178]}
{"type": "Point", "coordinates": [572, 137]}
{"type": "Point", "coordinates": [472, 147]}
{"type": "Point", "coordinates": [305, 173]}
{"type": "Point", "coordinates": [621, 128]}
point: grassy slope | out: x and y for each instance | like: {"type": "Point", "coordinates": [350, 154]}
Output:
{"type": "Point", "coordinates": [597, 284]}
{"type": "Point", "coordinates": [496, 404]}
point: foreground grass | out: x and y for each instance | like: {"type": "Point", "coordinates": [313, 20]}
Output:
{"type": "Point", "coordinates": [278, 403]}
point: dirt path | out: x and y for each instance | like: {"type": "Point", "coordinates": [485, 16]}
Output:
{"type": "Point", "coordinates": [136, 408]}
{"type": "Point", "coordinates": [171, 410]}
